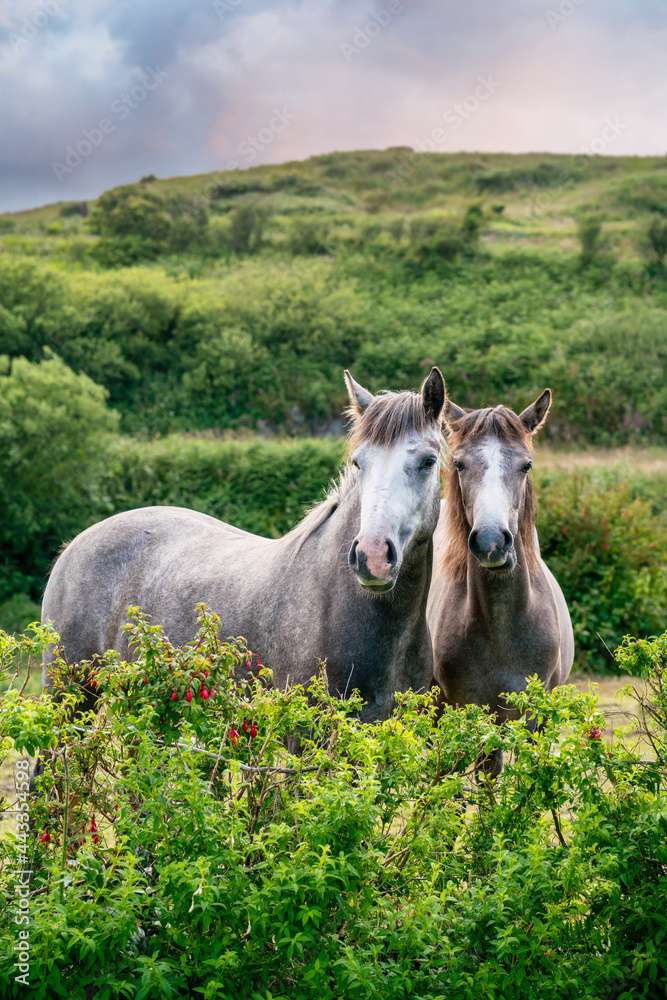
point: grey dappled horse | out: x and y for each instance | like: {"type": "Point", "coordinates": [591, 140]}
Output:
{"type": "Point", "coordinates": [496, 612]}
{"type": "Point", "coordinates": [349, 584]}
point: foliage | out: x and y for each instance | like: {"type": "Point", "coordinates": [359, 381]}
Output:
{"type": "Point", "coordinates": [71, 208]}
{"type": "Point", "coordinates": [657, 238]}
{"type": "Point", "coordinates": [179, 352]}
{"type": "Point", "coordinates": [248, 221]}
{"type": "Point", "coordinates": [610, 378]}
{"type": "Point", "coordinates": [45, 497]}
{"type": "Point", "coordinates": [589, 230]}
{"type": "Point", "coordinates": [608, 551]}
{"type": "Point", "coordinates": [260, 486]}
{"type": "Point", "coordinates": [138, 223]}
{"type": "Point", "coordinates": [131, 212]}
{"type": "Point", "coordinates": [181, 852]}
{"type": "Point", "coordinates": [308, 236]}
{"type": "Point", "coordinates": [17, 613]}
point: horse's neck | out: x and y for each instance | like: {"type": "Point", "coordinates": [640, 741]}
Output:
{"type": "Point", "coordinates": [498, 598]}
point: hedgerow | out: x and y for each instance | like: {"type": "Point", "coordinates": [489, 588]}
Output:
{"type": "Point", "coordinates": [180, 851]}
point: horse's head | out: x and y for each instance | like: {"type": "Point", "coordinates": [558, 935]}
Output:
{"type": "Point", "coordinates": [490, 495]}
{"type": "Point", "coordinates": [394, 448]}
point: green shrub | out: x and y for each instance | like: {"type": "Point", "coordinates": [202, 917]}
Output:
{"type": "Point", "coordinates": [609, 373]}
{"type": "Point", "coordinates": [260, 486]}
{"type": "Point", "coordinates": [131, 211]}
{"type": "Point", "coordinates": [71, 208]}
{"type": "Point", "coordinates": [54, 428]}
{"type": "Point", "coordinates": [608, 551]}
{"type": "Point", "coordinates": [646, 193]}
{"type": "Point", "coordinates": [589, 230]}
{"type": "Point", "coordinates": [497, 327]}
{"type": "Point", "coordinates": [657, 239]}
{"type": "Point", "coordinates": [181, 853]}
{"type": "Point", "coordinates": [247, 230]}
{"type": "Point", "coordinates": [17, 613]}
{"type": "Point", "coordinates": [308, 236]}
{"type": "Point", "coordinates": [123, 251]}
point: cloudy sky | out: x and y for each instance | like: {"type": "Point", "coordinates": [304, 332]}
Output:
{"type": "Point", "coordinates": [95, 93]}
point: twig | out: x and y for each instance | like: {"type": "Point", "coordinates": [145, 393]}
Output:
{"type": "Point", "coordinates": [65, 826]}
{"type": "Point", "coordinates": [558, 829]}
{"type": "Point", "coordinates": [27, 676]}
{"type": "Point", "coordinates": [215, 769]}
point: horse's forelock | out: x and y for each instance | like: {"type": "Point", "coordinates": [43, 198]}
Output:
{"type": "Point", "coordinates": [496, 421]}
{"type": "Point", "coordinates": [389, 418]}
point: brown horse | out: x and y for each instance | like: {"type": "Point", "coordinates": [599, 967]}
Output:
{"type": "Point", "coordinates": [495, 611]}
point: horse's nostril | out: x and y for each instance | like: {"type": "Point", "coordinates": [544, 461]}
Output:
{"type": "Point", "coordinates": [508, 540]}
{"type": "Point", "coordinates": [352, 557]}
{"type": "Point", "coordinates": [392, 555]}
{"type": "Point", "coordinates": [472, 542]}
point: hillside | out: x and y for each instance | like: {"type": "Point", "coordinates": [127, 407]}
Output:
{"type": "Point", "coordinates": [541, 193]}
{"type": "Point", "coordinates": [233, 301]}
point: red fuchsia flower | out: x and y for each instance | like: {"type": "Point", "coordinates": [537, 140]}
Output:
{"type": "Point", "coordinates": [46, 837]}
{"type": "Point", "coordinates": [211, 693]}
{"type": "Point", "coordinates": [595, 733]}
{"type": "Point", "coordinates": [248, 663]}
{"type": "Point", "coordinates": [93, 682]}
{"type": "Point", "coordinates": [206, 673]}
{"type": "Point", "coordinates": [233, 735]}
{"type": "Point", "coordinates": [145, 680]}
{"type": "Point", "coordinates": [253, 730]}
{"type": "Point", "coordinates": [244, 727]}
{"type": "Point", "coordinates": [173, 697]}
{"type": "Point", "coordinates": [204, 694]}
{"type": "Point", "coordinates": [93, 830]}
{"type": "Point", "coordinates": [188, 696]}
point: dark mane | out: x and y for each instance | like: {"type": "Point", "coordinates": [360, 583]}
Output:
{"type": "Point", "coordinates": [389, 418]}
{"type": "Point", "coordinates": [503, 423]}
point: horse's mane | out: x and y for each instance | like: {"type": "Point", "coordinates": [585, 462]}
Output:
{"type": "Point", "coordinates": [387, 419]}
{"type": "Point", "coordinates": [503, 423]}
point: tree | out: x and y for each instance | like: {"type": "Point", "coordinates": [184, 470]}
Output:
{"type": "Point", "coordinates": [53, 429]}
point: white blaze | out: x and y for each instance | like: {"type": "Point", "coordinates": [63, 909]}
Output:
{"type": "Point", "coordinates": [492, 501]}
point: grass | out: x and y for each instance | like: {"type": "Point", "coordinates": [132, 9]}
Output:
{"type": "Point", "coordinates": [540, 211]}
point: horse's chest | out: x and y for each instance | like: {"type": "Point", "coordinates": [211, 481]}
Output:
{"type": "Point", "coordinates": [480, 656]}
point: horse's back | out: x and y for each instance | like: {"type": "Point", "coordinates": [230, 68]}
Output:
{"type": "Point", "coordinates": [565, 625]}
{"type": "Point", "coordinates": [164, 559]}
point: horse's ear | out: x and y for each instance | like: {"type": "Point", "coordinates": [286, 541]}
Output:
{"type": "Point", "coordinates": [534, 415]}
{"type": "Point", "coordinates": [360, 398]}
{"type": "Point", "coordinates": [433, 395]}
{"type": "Point", "coordinates": [452, 413]}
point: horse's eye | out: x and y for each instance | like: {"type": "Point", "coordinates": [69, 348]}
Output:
{"type": "Point", "coordinates": [429, 462]}
{"type": "Point", "coordinates": [457, 465]}
{"type": "Point", "coordinates": [527, 467]}
{"type": "Point", "coordinates": [355, 463]}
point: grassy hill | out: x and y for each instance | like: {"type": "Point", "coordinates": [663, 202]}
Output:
{"type": "Point", "coordinates": [542, 193]}
{"type": "Point", "coordinates": [233, 300]}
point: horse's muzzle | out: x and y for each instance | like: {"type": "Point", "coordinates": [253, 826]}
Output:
{"type": "Point", "coordinates": [375, 563]}
{"type": "Point", "coordinates": [493, 547]}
